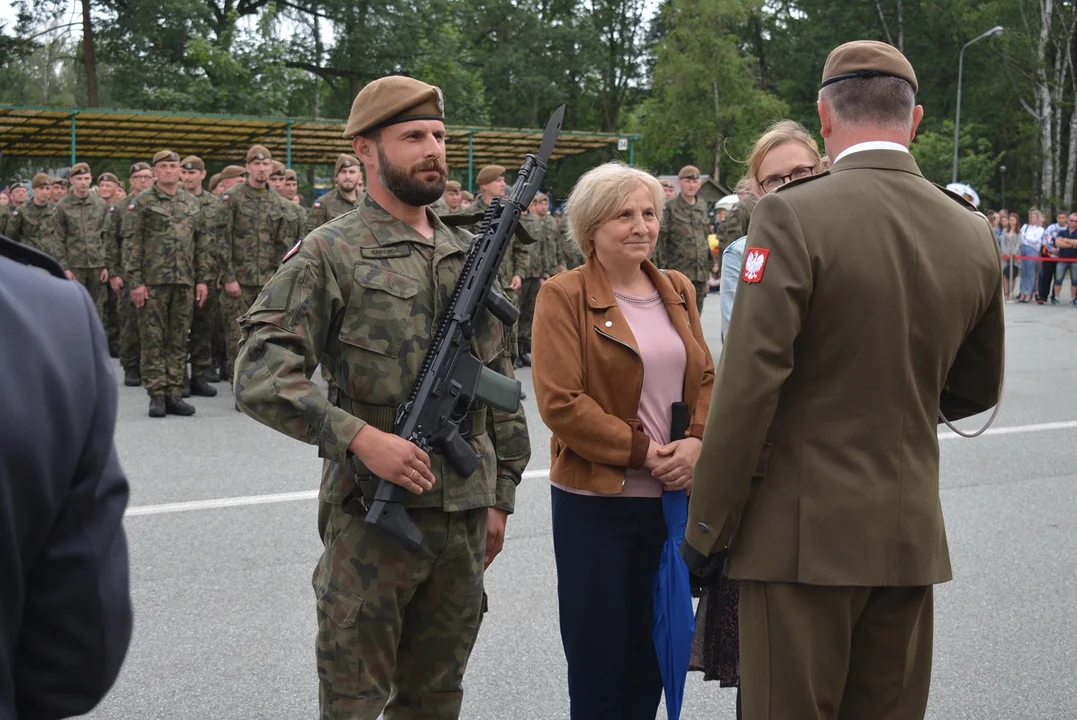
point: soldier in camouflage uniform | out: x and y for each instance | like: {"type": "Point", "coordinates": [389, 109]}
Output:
{"type": "Point", "coordinates": [32, 223]}
{"type": "Point", "coordinates": [166, 258]}
{"type": "Point", "coordinates": [736, 222]}
{"type": "Point", "coordinates": [130, 342]}
{"type": "Point", "coordinates": [364, 293]}
{"type": "Point", "coordinates": [342, 198]}
{"type": "Point", "coordinates": [206, 316]}
{"type": "Point", "coordinates": [535, 263]}
{"type": "Point", "coordinates": [108, 189]}
{"type": "Point", "coordinates": [256, 236]}
{"type": "Point", "coordinates": [78, 224]}
{"type": "Point", "coordinates": [682, 240]}
{"type": "Point", "coordinates": [58, 190]}
{"type": "Point", "coordinates": [293, 219]}
{"type": "Point", "coordinates": [290, 191]}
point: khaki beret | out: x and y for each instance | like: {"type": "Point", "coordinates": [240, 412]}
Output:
{"type": "Point", "coordinates": [689, 172]}
{"type": "Point", "coordinates": [278, 168]}
{"type": "Point", "coordinates": [193, 162]}
{"type": "Point", "coordinates": [257, 152]}
{"type": "Point", "coordinates": [214, 182]}
{"type": "Point", "coordinates": [165, 156]}
{"type": "Point", "coordinates": [40, 180]}
{"type": "Point", "coordinates": [345, 161]}
{"type": "Point", "coordinates": [489, 173]}
{"type": "Point", "coordinates": [233, 171]}
{"type": "Point", "coordinates": [107, 177]}
{"type": "Point", "coordinates": [666, 183]}
{"type": "Point", "coordinates": [453, 186]}
{"type": "Point", "coordinates": [59, 181]}
{"type": "Point", "coordinates": [139, 167]}
{"type": "Point", "coordinates": [79, 169]}
{"type": "Point", "coordinates": [391, 100]}
{"type": "Point", "coordinates": [539, 197]}
{"type": "Point", "coordinates": [291, 175]}
{"type": "Point", "coordinates": [865, 59]}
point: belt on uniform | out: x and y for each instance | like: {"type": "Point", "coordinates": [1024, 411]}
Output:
{"type": "Point", "coordinates": [383, 417]}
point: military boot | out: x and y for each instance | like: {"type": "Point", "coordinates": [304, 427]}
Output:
{"type": "Point", "coordinates": [175, 406]}
{"type": "Point", "coordinates": [186, 390]}
{"type": "Point", "coordinates": [201, 387]}
{"type": "Point", "coordinates": [212, 375]}
{"type": "Point", "coordinates": [157, 406]}
{"type": "Point", "coordinates": [131, 378]}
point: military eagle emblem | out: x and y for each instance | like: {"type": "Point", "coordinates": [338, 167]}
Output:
{"type": "Point", "coordinates": [755, 263]}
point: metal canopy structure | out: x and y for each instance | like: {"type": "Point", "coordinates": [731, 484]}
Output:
{"type": "Point", "coordinates": [136, 135]}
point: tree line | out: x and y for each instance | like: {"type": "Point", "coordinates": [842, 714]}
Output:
{"type": "Point", "coordinates": [698, 79]}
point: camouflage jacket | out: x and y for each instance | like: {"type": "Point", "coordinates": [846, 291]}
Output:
{"type": "Point", "coordinates": [78, 225]}
{"type": "Point", "coordinates": [736, 222]}
{"type": "Point", "coordinates": [546, 252]}
{"type": "Point", "coordinates": [294, 221]}
{"type": "Point", "coordinates": [165, 240]}
{"type": "Point", "coordinates": [32, 224]}
{"type": "Point", "coordinates": [362, 295]}
{"type": "Point", "coordinates": [255, 235]}
{"type": "Point", "coordinates": [112, 236]}
{"type": "Point", "coordinates": [211, 210]}
{"type": "Point", "coordinates": [331, 205]}
{"type": "Point", "coordinates": [682, 239]}
{"type": "Point", "coordinates": [5, 215]}
{"type": "Point", "coordinates": [569, 256]}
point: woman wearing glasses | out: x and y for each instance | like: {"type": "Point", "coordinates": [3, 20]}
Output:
{"type": "Point", "coordinates": [784, 153]}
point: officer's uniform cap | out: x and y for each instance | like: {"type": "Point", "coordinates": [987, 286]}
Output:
{"type": "Point", "coordinates": [453, 186]}
{"type": "Point", "coordinates": [40, 180]}
{"type": "Point", "coordinates": [233, 171]}
{"type": "Point", "coordinates": [193, 162]}
{"type": "Point", "coordinates": [258, 152]}
{"type": "Point", "coordinates": [345, 161]}
{"type": "Point", "coordinates": [391, 100]}
{"type": "Point", "coordinates": [107, 177]}
{"type": "Point", "coordinates": [79, 169]}
{"type": "Point", "coordinates": [165, 156]}
{"type": "Point", "coordinates": [866, 59]}
{"type": "Point", "coordinates": [689, 172]}
{"type": "Point", "coordinates": [489, 174]}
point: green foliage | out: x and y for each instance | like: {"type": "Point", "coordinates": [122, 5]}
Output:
{"type": "Point", "coordinates": [977, 163]}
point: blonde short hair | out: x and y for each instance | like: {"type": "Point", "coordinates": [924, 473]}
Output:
{"type": "Point", "coordinates": [599, 194]}
{"type": "Point", "coordinates": [780, 133]}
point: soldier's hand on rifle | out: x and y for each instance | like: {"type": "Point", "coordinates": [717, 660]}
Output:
{"type": "Point", "coordinates": [391, 457]}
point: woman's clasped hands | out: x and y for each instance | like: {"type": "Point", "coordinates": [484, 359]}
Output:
{"type": "Point", "coordinates": [673, 464]}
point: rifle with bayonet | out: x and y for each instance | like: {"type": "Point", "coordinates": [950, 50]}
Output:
{"type": "Point", "coordinates": [452, 379]}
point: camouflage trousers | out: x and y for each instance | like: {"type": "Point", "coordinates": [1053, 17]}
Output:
{"type": "Point", "coordinates": [396, 628]}
{"type": "Point", "coordinates": [528, 295]}
{"type": "Point", "coordinates": [231, 309]}
{"type": "Point", "coordinates": [164, 322]}
{"type": "Point", "coordinates": [99, 291]}
{"type": "Point", "coordinates": [112, 320]}
{"type": "Point", "coordinates": [512, 332]}
{"type": "Point", "coordinates": [130, 342]}
{"type": "Point", "coordinates": [702, 288]}
{"type": "Point", "coordinates": [204, 324]}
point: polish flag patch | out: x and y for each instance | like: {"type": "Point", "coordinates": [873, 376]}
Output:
{"type": "Point", "coordinates": [755, 263]}
{"type": "Point", "coordinates": [291, 252]}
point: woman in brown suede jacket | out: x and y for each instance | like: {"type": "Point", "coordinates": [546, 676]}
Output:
{"type": "Point", "coordinates": [615, 343]}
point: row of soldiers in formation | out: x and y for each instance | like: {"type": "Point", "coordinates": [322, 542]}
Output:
{"type": "Point", "coordinates": [171, 266]}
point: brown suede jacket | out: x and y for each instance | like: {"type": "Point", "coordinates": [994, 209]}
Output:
{"type": "Point", "coordinates": [588, 374]}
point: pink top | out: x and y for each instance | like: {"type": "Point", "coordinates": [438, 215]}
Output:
{"type": "Point", "coordinates": [664, 364]}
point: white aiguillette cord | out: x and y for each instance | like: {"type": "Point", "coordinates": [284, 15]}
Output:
{"type": "Point", "coordinates": [990, 420]}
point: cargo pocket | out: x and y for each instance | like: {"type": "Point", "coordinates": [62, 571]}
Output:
{"type": "Point", "coordinates": [338, 645]}
{"type": "Point", "coordinates": [378, 317]}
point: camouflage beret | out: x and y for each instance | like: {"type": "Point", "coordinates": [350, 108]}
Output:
{"type": "Point", "coordinates": [193, 162]}
{"type": "Point", "coordinates": [278, 168]}
{"type": "Point", "coordinates": [40, 180]}
{"type": "Point", "coordinates": [453, 186]}
{"type": "Point", "coordinates": [79, 169]}
{"type": "Point", "coordinates": [391, 100]}
{"type": "Point", "coordinates": [233, 171]}
{"type": "Point", "coordinates": [865, 59]}
{"type": "Point", "coordinates": [689, 172]}
{"type": "Point", "coordinates": [345, 161]}
{"type": "Point", "coordinates": [165, 156]}
{"type": "Point", "coordinates": [489, 173]}
{"type": "Point", "coordinates": [214, 182]}
{"type": "Point", "coordinates": [258, 152]}
{"type": "Point", "coordinates": [139, 167]}
{"type": "Point", "coordinates": [107, 177]}
{"type": "Point", "coordinates": [290, 174]}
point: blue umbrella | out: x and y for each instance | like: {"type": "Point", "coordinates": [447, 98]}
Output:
{"type": "Point", "coordinates": [674, 617]}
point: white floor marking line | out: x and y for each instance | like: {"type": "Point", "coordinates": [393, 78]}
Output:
{"type": "Point", "coordinates": [245, 500]}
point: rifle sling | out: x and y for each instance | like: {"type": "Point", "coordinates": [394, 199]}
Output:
{"type": "Point", "coordinates": [383, 417]}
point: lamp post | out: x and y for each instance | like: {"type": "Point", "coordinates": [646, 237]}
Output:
{"type": "Point", "coordinates": [1002, 176]}
{"type": "Point", "coordinates": [997, 30]}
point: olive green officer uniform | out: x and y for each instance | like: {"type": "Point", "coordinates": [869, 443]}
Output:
{"type": "Point", "coordinates": [79, 225]}
{"type": "Point", "coordinates": [33, 224]}
{"type": "Point", "coordinates": [820, 462]}
{"type": "Point", "coordinates": [363, 294]}
{"type": "Point", "coordinates": [682, 241]}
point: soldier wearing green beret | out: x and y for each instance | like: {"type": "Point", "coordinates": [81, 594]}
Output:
{"type": "Point", "coordinates": [682, 242]}
{"type": "Point", "coordinates": [363, 294]}
{"type": "Point", "coordinates": [168, 265]}
{"type": "Point", "coordinates": [290, 191]}
{"type": "Point", "coordinates": [344, 197]}
{"type": "Point", "coordinates": [293, 218]}
{"type": "Point", "coordinates": [207, 332]}
{"type": "Point", "coordinates": [109, 190]}
{"type": "Point", "coordinates": [32, 222]}
{"type": "Point", "coordinates": [80, 246]}
{"type": "Point", "coordinates": [818, 479]}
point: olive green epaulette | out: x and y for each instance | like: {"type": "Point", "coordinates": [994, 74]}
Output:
{"type": "Point", "coordinates": [801, 181]}
{"type": "Point", "coordinates": [464, 219]}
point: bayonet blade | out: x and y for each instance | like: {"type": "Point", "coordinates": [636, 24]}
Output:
{"type": "Point", "coordinates": [549, 137]}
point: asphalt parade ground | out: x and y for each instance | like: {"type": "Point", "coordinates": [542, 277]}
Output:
{"type": "Point", "coordinates": [223, 542]}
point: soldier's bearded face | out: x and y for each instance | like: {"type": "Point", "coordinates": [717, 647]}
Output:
{"type": "Point", "coordinates": [350, 179]}
{"type": "Point", "coordinates": [420, 184]}
{"type": "Point", "coordinates": [258, 172]}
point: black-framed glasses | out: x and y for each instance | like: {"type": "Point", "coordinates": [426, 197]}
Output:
{"type": "Point", "coordinates": [774, 182]}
